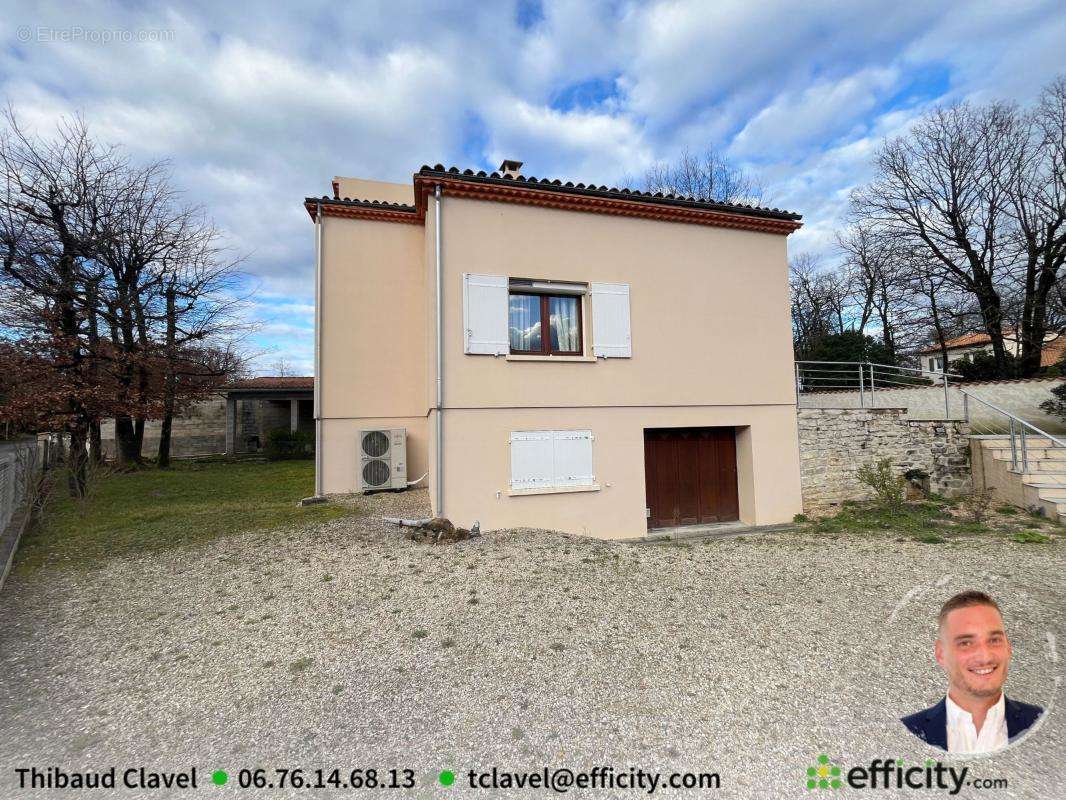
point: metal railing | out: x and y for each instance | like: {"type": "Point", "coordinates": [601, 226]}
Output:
{"type": "Point", "coordinates": [1020, 434]}
{"type": "Point", "coordinates": [866, 378]}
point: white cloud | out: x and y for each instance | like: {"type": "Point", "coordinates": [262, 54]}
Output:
{"type": "Point", "coordinates": [255, 111]}
{"type": "Point", "coordinates": [814, 115]}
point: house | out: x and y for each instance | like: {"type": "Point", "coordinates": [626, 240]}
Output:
{"type": "Point", "coordinates": [966, 346]}
{"type": "Point", "coordinates": [257, 406]}
{"type": "Point", "coordinates": [566, 356]}
{"type": "Point", "coordinates": [237, 421]}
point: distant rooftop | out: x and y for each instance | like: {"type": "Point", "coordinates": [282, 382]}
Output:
{"type": "Point", "coordinates": [273, 383]}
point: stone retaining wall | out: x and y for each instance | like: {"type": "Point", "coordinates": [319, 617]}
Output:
{"type": "Point", "coordinates": [834, 443]}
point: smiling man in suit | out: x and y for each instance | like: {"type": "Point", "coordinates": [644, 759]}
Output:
{"type": "Point", "coordinates": [973, 650]}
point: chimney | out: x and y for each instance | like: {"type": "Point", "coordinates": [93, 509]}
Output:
{"type": "Point", "coordinates": [509, 168]}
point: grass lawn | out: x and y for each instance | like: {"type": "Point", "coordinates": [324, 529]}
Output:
{"type": "Point", "coordinates": [936, 521]}
{"type": "Point", "coordinates": [153, 509]}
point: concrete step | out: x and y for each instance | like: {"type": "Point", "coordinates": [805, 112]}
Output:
{"type": "Point", "coordinates": [1042, 480]}
{"type": "Point", "coordinates": [1031, 438]}
{"type": "Point", "coordinates": [1052, 453]}
{"type": "Point", "coordinates": [1043, 484]}
{"type": "Point", "coordinates": [1041, 465]}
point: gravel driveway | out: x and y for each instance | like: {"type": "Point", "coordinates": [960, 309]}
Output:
{"type": "Point", "coordinates": [345, 645]}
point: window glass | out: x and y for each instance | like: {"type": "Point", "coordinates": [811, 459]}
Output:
{"type": "Point", "coordinates": [565, 325]}
{"type": "Point", "coordinates": [524, 322]}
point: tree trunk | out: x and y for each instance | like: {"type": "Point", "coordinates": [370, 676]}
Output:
{"type": "Point", "coordinates": [1039, 283]}
{"type": "Point", "coordinates": [992, 315]}
{"type": "Point", "coordinates": [96, 454]}
{"type": "Point", "coordinates": [142, 378]}
{"type": "Point", "coordinates": [77, 461]}
{"type": "Point", "coordinates": [96, 449]}
{"type": "Point", "coordinates": [169, 384]}
{"type": "Point", "coordinates": [126, 450]}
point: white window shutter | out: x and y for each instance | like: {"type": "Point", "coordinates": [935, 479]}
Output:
{"type": "Point", "coordinates": [531, 460]}
{"type": "Point", "coordinates": [610, 320]}
{"type": "Point", "coordinates": [573, 458]}
{"type": "Point", "coordinates": [485, 314]}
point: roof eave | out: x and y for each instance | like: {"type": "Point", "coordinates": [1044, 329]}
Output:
{"type": "Point", "coordinates": [597, 202]}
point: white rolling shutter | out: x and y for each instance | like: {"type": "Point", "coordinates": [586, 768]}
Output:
{"type": "Point", "coordinates": [573, 458]}
{"type": "Point", "coordinates": [485, 314]}
{"type": "Point", "coordinates": [531, 460]}
{"type": "Point", "coordinates": [551, 459]}
{"type": "Point", "coordinates": [610, 320]}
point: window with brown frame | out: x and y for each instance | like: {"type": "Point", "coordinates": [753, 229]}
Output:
{"type": "Point", "coordinates": [529, 315]}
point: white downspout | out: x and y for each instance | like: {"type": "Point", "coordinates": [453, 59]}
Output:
{"type": "Point", "coordinates": [440, 363]}
{"type": "Point", "coordinates": [318, 351]}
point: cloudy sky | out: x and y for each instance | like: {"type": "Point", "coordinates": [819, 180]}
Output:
{"type": "Point", "coordinates": [257, 107]}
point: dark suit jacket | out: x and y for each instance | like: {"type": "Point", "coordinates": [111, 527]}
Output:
{"type": "Point", "coordinates": [931, 725]}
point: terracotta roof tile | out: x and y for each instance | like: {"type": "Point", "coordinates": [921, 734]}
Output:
{"type": "Point", "coordinates": [1054, 351]}
{"type": "Point", "coordinates": [570, 187]}
{"type": "Point", "coordinates": [966, 340]}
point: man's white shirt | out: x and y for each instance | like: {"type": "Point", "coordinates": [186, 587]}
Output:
{"type": "Point", "coordinates": [962, 733]}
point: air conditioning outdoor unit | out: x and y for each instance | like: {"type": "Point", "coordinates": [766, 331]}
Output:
{"type": "Point", "coordinates": [382, 459]}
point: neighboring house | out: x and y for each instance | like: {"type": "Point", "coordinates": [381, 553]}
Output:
{"type": "Point", "coordinates": [236, 422]}
{"type": "Point", "coordinates": [257, 406]}
{"type": "Point", "coordinates": [965, 347]}
{"type": "Point", "coordinates": [611, 361]}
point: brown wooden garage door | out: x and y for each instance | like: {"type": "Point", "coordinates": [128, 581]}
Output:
{"type": "Point", "coordinates": [691, 475]}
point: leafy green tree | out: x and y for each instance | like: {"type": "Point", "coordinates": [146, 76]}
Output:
{"type": "Point", "coordinates": [1057, 405]}
{"type": "Point", "coordinates": [983, 367]}
{"type": "Point", "coordinates": [847, 346]}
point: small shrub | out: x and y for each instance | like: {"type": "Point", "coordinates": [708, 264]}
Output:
{"type": "Point", "coordinates": [1031, 537]}
{"type": "Point", "coordinates": [1007, 511]}
{"type": "Point", "coordinates": [1057, 405]}
{"type": "Point", "coordinates": [930, 538]}
{"type": "Point", "coordinates": [419, 634]}
{"type": "Point", "coordinates": [886, 484]}
{"type": "Point", "coordinates": [800, 518]}
{"type": "Point", "coordinates": [284, 444]}
{"type": "Point", "coordinates": [977, 504]}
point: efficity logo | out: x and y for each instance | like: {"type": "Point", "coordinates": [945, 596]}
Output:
{"type": "Point", "coordinates": [886, 773]}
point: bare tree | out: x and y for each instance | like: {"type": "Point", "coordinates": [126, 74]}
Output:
{"type": "Point", "coordinates": [200, 322]}
{"type": "Point", "coordinates": [1035, 183]}
{"type": "Point", "coordinates": [978, 194]}
{"type": "Point", "coordinates": [708, 176]}
{"type": "Point", "coordinates": [55, 198]}
{"type": "Point", "coordinates": [819, 299]}
{"type": "Point", "coordinates": [117, 300]}
{"type": "Point", "coordinates": [936, 187]}
{"type": "Point", "coordinates": [877, 280]}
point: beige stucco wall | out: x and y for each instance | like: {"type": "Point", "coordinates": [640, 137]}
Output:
{"type": "Point", "coordinates": [373, 341]}
{"type": "Point", "coordinates": [361, 189]}
{"type": "Point", "coordinates": [340, 450]}
{"type": "Point", "coordinates": [477, 466]}
{"type": "Point", "coordinates": [709, 308]}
